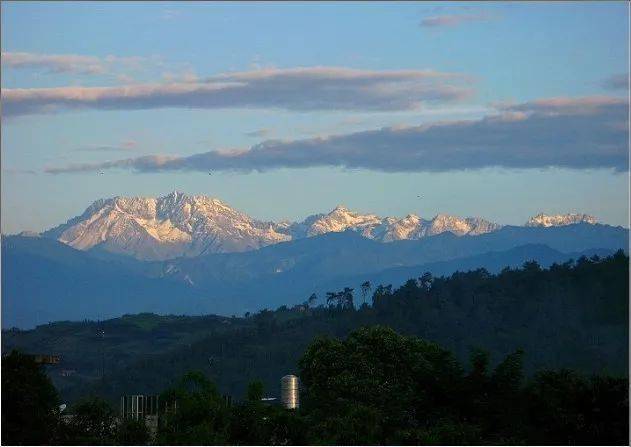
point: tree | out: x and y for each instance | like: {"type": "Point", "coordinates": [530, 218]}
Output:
{"type": "Point", "coordinates": [509, 373]}
{"type": "Point", "coordinates": [332, 299]}
{"type": "Point", "coordinates": [571, 409]}
{"type": "Point", "coordinates": [365, 289]}
{"type": "Point", "coordinates": [29, 402]}
{"type": "Point", "coordinates": [341, 300]}
{"type": "Point", "coordinates": [93, 423]}
{"type": "Point", "coordinates": [346, 298]}
{"type": "Point", "coordinates": [425, 281]}
{"type": "Point", "coordinates": [533, 266]}
{"type": "Point", "coordinates": [254, 423]}
{"type": "Point", "coordinates": [255, 391]}
{"type": "Point", "coordinates": [479, 359]}
{"type": "Point", "coordinates": [381, 294]}
{"type": "Point", "coordinates": [202, 415]}
{"type": "Point", "coordinates": [132, 432]}
{"type": "Point", "coordinates": [312, 299]}
{"type": "Point", "coordinates": [375, 378]}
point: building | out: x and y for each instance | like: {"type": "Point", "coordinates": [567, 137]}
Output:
{"type": "Point", "coordinates": [290, 392]}
{"type": "Point", "coordinates": [138, 406]}
{"type": "Point", "coordinates": [143, 408]}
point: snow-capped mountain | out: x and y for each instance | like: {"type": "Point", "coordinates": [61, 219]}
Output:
{"type": "Point", "coordinates": [340, 219]}
{"type": "Point", "coordinates": [390, 228]}
{"type": "Point", "coordinates": [543, 220]}
{"type": "Point", "coordinates": [177, 225]}
{"type": "Point", "coordinates": [166, 227]}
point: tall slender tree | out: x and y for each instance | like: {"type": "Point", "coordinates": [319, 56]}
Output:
{"type": "Point", "coordinates": [365, 289]}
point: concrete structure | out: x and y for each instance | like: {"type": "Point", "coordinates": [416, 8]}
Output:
{"type": "Point", "coordinates": [138, 406]}
{"type": "Point", "coordinates": [144, 408]}
{"type": "Point", "coordinates": [290, 392]}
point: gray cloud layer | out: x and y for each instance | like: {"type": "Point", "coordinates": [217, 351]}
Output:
{"type": "Point", "coordinates": [452, 20]}
{"type": "Point", "coordinates": [617, 82]}
{"type": "Point", "coordinates": [315, 88]}
{"type": "Point", "coordinates": [123, 146]}
{"type": "Point", "coordinates": [578, 133]}
{"type": "Point", "coordinates": [260, 133]}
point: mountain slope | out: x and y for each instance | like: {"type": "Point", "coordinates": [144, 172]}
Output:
{"type": "Point", "coordinates": [179, 225]}
{"type": "Point", "coordinates": [44, 280]}
{"type": "Point", "coordinates": [543, 220]}
{"type": "Point", "coordinates": [165, 227]}
{"type": "Point", "coordinates": [568, 317]}
{"type": "Point", "coordinates": [493, 262]}
{"type": "Point", "coordinates": [286, 273]}
{"type": "Point", "coordinates": [347, 253]}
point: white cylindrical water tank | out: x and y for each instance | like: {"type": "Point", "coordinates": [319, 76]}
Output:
{"type": "Point", "coordinates": [290, 392]}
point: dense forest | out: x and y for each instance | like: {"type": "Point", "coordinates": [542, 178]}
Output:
{"type": "Point", "coordinates": [376, 387]}
{"type": "Point", "coordinates": [572, 315]}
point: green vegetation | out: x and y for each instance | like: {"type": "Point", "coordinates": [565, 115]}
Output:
{"type": "Point", "coordinates": [93, 423]}
{"type": "Point", "coordinates": [376, 387]}
{"type": "Point", "coordinates": [132, 432]}
{"type": "Point", "coordinates": [28, 400]}
{"type": "Point", "coordinates": [570, 317]}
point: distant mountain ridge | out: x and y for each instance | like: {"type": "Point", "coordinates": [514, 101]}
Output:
{"type": "Point", "coordinates": [543, 220]}
{"type": "Point", "coordinates": [166, 227]}
{"type": "Point", "coordinates": [179, 225]}
{"type": "Point", "coordinates": [46, 280]}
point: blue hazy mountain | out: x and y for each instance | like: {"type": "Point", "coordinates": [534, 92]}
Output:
{"type": "Point", "coordinates": [312, 261]}
{"type": "Point", "coordinates": [44, 280]}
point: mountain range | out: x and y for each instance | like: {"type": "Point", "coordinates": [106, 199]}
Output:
{"type": "Point", "coordinates": [45, 279]}
{"type": "Point", "coordinates": [179, 225]}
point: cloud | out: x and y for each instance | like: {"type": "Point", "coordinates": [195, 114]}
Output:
{"type": "Point", "coordinates": [124, 146]}
{"type": "Point", "coordinates": [260, 133]}
{"type": "Point", "coordinates": [297, 89]}
{"type": "Point", "coordinates": [187, 75]}
{"type": "Point", "coordinates": [68, 63]}
{"type": "Point", "coordinates": [55, 63]}
{"type": "Point", "coordinates": [617, 82]}
{"type": "Point", "coordinates": [453, 20]}
{"type": "Point", "coordinates": [581, 133]}
{"type": "Point", "coordinates": [19, 171]}
{"type": "Point", "coordinates": [146, 163]}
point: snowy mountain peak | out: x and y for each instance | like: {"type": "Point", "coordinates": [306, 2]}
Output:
{"type": "Point", "coordinates": [178, 224]}
{"type": "Point", "coordinates": [460, 226]}
{"type": "Point", "coordinates": [544, 220]}
{"type": "Point", "coordinates": [341, 219]}
{"type": "Point", "coordinates": [165, 227]}
{"type": "Point", "coordinates": [339, 209]}
{"type": "Point", "coordinates": [28, 233]}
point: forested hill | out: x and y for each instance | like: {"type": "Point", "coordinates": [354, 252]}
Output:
{"type": "Point", "coordinates": [573, 315]}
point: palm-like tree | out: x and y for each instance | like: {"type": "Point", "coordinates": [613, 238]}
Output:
{"type": "Point", "coordinates": [365, 288]}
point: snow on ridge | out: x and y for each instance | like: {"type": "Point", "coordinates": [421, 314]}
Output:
{"type": "Point", "coordinates": [177, 224]}
{"type": "Point", "coordinates": [544, 220]}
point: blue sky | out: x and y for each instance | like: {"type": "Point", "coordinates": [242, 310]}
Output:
{"type": "Point", "coordinates": [496, 65]}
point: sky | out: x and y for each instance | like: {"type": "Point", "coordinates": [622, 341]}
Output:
{"type": "Point", "coordinates": [497, 110]}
